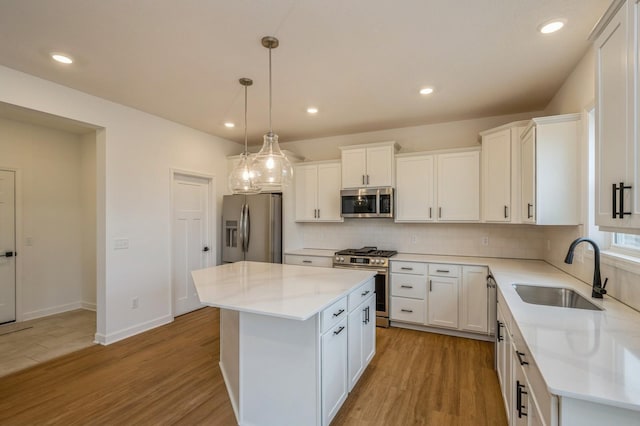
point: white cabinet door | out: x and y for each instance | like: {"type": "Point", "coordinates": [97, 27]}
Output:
{"type": "Point", "coordinates": [473, 300]}
{"type": "Point", "coordinates": [354, 168]}
{"type": "Point", "coordinates": [503, 361]}
{"type": "Point", "coordinates": [380, 166]}
{"type": "Point", "coordinates": [306, 184]}
{"type": "Point", "coordinates": [415, 189]}
{"type": "Point", "coordinates": [369, 331]}
{"type": "Point", "coordinates": [443, 302]}
{"type": "Point", "coordinates": [520, 404]}
{"type": "Point", "coordinates": [334, 370]}
{"type": "Point", "coordinates": [362, 339]}
{"type": "Point", "coordinates": [496, 176]}
{"type": "Point", "coordinates": [616, 152]}
{"type": "Point", "coordinates": [329, 192]}
{"type": "Point", "coordinates": [528, 167]}
{"type": "Point", "coordinates": [459, 186]}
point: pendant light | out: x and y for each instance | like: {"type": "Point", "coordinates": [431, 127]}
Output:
{"type": "Point", "coordinates": [242, 177]}
{"type": "Point", "coordinates": [272, 168]}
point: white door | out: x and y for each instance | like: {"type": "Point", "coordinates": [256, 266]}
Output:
{"type": "Point", "coordinates": [529, 177]}
{"type": "Point", "coordinates": [380, 166]}
{"type": "Point", "coordinates": [459, 186]}
{"type": "Point", "coordinates": [306, 184]}
{"type": "Point", "coordinates": [414, 189]}
{"type": "Point", "coordinates": [7, 247]}
{"type": "Point", "coordinates": [473, 303]}
{"type": "Point", "coordinates": [443, 301]}
{"type": "Point", "coordinates": [329, 192]}
{"type": "Point", "coordinates": [354, 168]}
{"type": "Point", "coordinates": [496, 176]}
{"type": "Point", "coordinates": [192, 248]}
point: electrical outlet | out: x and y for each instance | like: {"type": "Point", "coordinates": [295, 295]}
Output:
{"type": "Point", "coordinates": [414, 239]}
{"type": "Point", "coordinates": [485, 241]}
{"type": "Point", "coordinates": [134, 303]}
{"type": "Point", "coordinates": [28, 241]}
{"type": "Point", "coordinates": [120, 243]}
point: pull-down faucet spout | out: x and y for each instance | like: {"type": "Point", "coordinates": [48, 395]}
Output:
{"type": "Point", "coordinates": [598, 287]}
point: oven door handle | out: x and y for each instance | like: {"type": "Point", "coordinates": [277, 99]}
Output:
{"type": "Point", "coordinates": [379, 271]}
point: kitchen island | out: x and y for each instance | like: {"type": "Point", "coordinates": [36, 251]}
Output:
{"type": "Point", "coordinates": [284, 352]}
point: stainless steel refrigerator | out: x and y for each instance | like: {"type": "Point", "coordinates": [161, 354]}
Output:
{"type": "Point", "coordinates": [252, 228]}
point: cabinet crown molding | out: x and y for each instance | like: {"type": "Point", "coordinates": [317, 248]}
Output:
{"type": "Point", "coordinates": [605, 19]}
{"type": "Point", "coordinates": [521, 123]}
{"type": "Point", "coordinates": [396, 147]}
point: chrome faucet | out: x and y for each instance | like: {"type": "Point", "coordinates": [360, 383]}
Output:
{"type": "Point", "coordinates": [598, 287]}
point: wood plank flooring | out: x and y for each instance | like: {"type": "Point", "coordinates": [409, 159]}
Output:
{"type": "Point", "coordinates": [170, 376]}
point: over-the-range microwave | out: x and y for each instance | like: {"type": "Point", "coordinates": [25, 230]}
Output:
{"type": "Point", "coordinates": [366, 202]}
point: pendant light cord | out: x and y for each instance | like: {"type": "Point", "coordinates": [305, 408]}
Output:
{"type": "Point", "coordinates": [270, 126]}
{"type": "Point", "coordinates": [246, 150]}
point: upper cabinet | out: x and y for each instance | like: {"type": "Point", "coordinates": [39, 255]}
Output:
{"type": "Point", "coordinates": [617, 140]}
{"type": "Point", "coordinates": [317, 192]}
{"type": "Point", "coordinates": [501, 173]}
{"type": "Point", "coordinates": [550, 172]}
{"type": "Point", "coordinates": [440, 187]}
{"type": "Point", "coordinates": [368, 165]}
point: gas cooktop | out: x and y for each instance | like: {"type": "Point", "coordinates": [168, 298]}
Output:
{"type": "Point", "coordinates": [367, 251]}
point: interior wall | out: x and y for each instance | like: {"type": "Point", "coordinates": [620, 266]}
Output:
{"type": "Point", "coordinates": [88, 207]}
{"type": "Point", "coordinates": [135, 154]}
{"type": "Point", "coordinates": [51, 252]}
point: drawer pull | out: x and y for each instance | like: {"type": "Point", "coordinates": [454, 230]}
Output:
{"type": "Point", "coordinates": [519, 402]}
{"type": "Point", "coordinates": [406, 268]}
{"type": "Point", "coordinates": [307, 261]}
{"type": "Point", "coordinates": [520, 355]}
{"type": "Point", "coordinates": [340, 312]}
{"type": "Point", "coordinates": [406, 286]}
{"type": "Point", "coordinates": [338, 331]}
{"type": "Point", "coordinates": [364, 293]}
{"type": "Point", "coordinates": [407, 310]}
{"type": "Point", "coordinates": [443, 270]}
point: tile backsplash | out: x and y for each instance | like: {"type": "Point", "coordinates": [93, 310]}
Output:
{"type": "Point", "coordinates": [521, 241]}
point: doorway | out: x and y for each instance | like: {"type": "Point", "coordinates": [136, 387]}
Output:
{"type": "Point", "coordinates": [192, 236]}
{"type": "Point", "coordinates": [7, 246]}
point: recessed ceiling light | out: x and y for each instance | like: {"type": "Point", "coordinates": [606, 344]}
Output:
{"type": "Point", "coordinates": [312, 110]}
{"type": "Point", "coordinates": [229, 124]}
{"type": "Point", "coordinates": [63, 59]}
{"type": "Point", "coordinates": [426, 91]}
{"type": "Point", "coordinates": [551, 26]}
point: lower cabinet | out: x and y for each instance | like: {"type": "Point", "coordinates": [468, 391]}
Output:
{"type": "Point", "coordinates": [454, 297]}
{"type": "Point", "coordinates": [296, 259]}
{"type": "Point", "coordinates": [362, 339]}
{"type": "Point", "coordinates": [335, 356]}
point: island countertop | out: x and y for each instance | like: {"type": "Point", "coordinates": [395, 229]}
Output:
{"type": "Point", "coordinates": [284, 291]}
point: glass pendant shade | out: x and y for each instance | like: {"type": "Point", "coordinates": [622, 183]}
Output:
{"type": "Point", "coordinates": [242, 177]}
{"type": "Point", "coordinates": [271, 167]}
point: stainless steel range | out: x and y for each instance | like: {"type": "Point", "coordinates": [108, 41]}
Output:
{"type": "Point", "coordinates": [370, 258]}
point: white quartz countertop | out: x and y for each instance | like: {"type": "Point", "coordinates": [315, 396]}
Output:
{"type": "Point", "coordinates": [285, 291]}
{"type": "Point", "coordinates": [583, 354]}
{"type": "Point", "coordinates": [312, 252]}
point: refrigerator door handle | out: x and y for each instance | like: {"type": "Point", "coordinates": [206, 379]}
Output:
{"type": "Point", "coordinates": [241, 233]}
{"type": "Point", "coordinates": [247, 228]}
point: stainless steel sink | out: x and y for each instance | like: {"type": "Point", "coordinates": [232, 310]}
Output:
{"type": "Point", "coordinates": [553, 296]}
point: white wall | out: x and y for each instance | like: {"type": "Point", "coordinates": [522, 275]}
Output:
{"type": "Point", "coordinates": [88, 206]}
{"type": "Point", "coordinates": [49, 162]}
{"type": "Point", "coordinates": [135, 152]}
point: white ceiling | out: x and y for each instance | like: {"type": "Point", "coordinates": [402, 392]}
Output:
{"type": "Point", "coordinates": [361, 62]}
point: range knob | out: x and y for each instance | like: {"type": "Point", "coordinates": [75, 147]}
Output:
{"type": "Point", "coordinates": [342, 259]}
{"type": "Point", "coordinates": [337, 258]}
{"type": "Point", "coordinates": [376, 260]}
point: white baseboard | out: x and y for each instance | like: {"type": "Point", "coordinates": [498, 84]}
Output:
{"type": "Point", "coordinates": [437, 330]}
{"type": "Point", "coordinates": [232, 397]}
{"type": "Point", "coordinates": [131, 331]}
{"type": "Point", "coordinates": [51, 311]}
{"type": "Point", "coordinates": [88, 306]}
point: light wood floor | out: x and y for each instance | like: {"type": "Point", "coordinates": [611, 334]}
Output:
{"type": "Point", "coordinates": [170, 375]}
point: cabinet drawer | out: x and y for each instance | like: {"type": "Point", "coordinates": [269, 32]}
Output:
{"type": "Point", "coordinates": [334, 314]}
{"type": "Point", "coordinates": [444, 270]}
{"type": "Point", "coordinates": [409, 310]}
{"type": "Point", "coordinates": [359, 295]}
{"type": "Point", "coordinates": [325, 262]}
{"type": "Point", "coordinates": [409, 268]}
{"type": "Point", "coordinates": [405, 285]}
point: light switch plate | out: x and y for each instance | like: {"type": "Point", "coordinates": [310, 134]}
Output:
{"type": "Point", "coordinates": [120, 243]}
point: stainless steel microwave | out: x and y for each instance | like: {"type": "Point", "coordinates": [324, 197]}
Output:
{"type": "Point", "coordinates": [366, 202]}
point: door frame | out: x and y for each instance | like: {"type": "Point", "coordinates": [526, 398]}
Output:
{"type": "Point", "coordinates": [213, 243]}
{"type": "Point", "coordinates": [18, 235]}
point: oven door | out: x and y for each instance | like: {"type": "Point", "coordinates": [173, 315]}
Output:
{"type": "Point", "coordinates": [382, 292]}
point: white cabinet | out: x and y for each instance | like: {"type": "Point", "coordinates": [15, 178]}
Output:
{"type": "Point", "coordinates": [296, 259]}
{"type": "Point", "coordinates": [442, 187]}
{"type": "Point", "coordinates": [617, 113]}
{"type": "Point", "coordinates": [408, 292]}
{"type": "Point", "coordinates": [442, 308]}
{"type": "Point", "coordinates": [415, 190]}
{"type": "Point", "coordinates": [474, 299]}
{"type": "Point", "coordinates": [334, 370]}
{"type": "Point", "coordinates": [501, 173]}
{"type": "Point", "coordinates": [362, 338]}
{"type": "Point", "coordinates": [550, 172]}
{"type": "Point", "coordinates": [368, 165]}
{"type": "Point", "coordinates": [503, 359]}
{"type": "Point", "coordinates": [317, 192]}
